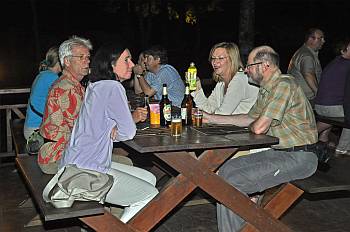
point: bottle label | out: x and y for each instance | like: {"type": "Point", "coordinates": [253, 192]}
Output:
{"type": "Point", "coordinates": [183, 113]}
{"type": "Point", "coordinates": [167, 112]}
{"type": "Point", "coordinates": [192, 80]}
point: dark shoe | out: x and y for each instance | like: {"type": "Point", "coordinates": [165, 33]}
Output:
{"type": "Point", "coordinates": [323, 152]}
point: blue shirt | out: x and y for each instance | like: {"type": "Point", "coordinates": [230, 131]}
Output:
{"type": "Point", "coordinates": [105, 106]}
{"type": "Point", "coordinates": [168, 75]}
{"type": "Point", "coordinates": [39, 91]}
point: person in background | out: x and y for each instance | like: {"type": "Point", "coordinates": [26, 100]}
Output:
{"type": "Point", "coordinates": [232, 93]}
{"type": "Point", "coordinates": [48, 74]}
{"type": "Point", "coordinates": [281, 110]}
{"type": "Point", "coordinates": [140, 68]}
{"type": "Point", "coordinates": [159, 73]}
{"type": "Point", "coordinates": [331, 96]}
{"type": "Point", "coordinates": [105, 117]}
{"type": "Point", "coordinates": [305, 65]}
{"type": "Point", "coordinates": [346, 104]}
{"type": "Point", "coordinates": [63, 102]}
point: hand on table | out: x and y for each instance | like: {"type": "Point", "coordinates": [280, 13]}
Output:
{"type": "Point", "coordinates": [207, 117]}
{"type": "Point", "coordinates": [140, 114]}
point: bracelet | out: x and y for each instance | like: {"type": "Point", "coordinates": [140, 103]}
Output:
{"type": "Point", "coordinates": [139, 75]}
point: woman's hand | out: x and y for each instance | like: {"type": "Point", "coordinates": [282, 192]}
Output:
{"type": "Point", "coordinates": [207, 118]}
{"type": "Point", "coordinates": [114, 133]}
{"type": "Point", "coordinates": [199, 85]}
{"type": "Point", "coordinates": [140, 114]}
{"type": "Point", "coordinates": [138, 70]}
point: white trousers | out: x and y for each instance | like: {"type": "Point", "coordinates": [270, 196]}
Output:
{"type": "Point", "coordinates": [133, 187]}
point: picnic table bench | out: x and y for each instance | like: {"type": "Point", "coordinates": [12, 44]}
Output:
{"type": "Point", "coordinates": [90, 212]}
{"type": "Point", "coordinates": [18, 139]}
{"type": "Point", "coordinates": [335, 121]}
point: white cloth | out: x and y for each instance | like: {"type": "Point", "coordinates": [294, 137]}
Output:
{"type": "Point", "coordinates": [239, 98]}
{"type": "Point", "coordinates": [132, 187]}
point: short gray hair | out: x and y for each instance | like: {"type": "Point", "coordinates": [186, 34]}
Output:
{"type": "Point", "coordinates": [267, 55]}
{"type": "Point", "coordinates": [67, 46]}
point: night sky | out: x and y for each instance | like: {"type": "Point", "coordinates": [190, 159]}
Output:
{"type": "Point", "coordinates": [280, 24]}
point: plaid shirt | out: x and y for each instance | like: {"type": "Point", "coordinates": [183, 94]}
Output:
{"type": "Point", "coordinates": [293, 120]}
{"type": "Point", "coordinates": [61, 111]}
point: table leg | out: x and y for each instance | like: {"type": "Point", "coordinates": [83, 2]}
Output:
{"type": "Point", "coordinates": [175, 191]}
{"type": "Point", "coordinates": [106, 222]}
{"type": "Point", "coordinates": [199, 174]}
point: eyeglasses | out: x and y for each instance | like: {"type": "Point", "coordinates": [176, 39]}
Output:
{"type": "Point", "coordinates": [220, 58]}
{"type": "Point", "coordinates": [250, 65]}
{"type": "Point", "coordinates": [82, 57]}
{"type": "Point", "coordinates": [318, 38]}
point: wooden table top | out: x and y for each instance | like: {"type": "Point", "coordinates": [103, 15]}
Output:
{"type": "Point", "coordinates": [160, 140]}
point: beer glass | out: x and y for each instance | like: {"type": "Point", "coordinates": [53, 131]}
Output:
{"type": "Point", "coordinates": [198, 117]}
{"type": "Point", "coordinates": [176, 125]}
{"type": "Point", "coordinates": [154, 115]}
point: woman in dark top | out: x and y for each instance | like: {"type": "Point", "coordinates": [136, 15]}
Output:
{"type": "Point", "coordinates": [330, 96]}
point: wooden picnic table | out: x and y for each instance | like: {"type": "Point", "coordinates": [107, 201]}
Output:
{"type": "Point", "coordinates": [198, 172]}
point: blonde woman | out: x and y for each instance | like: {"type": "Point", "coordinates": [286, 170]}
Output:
{"type": "Point", "coordinates": [49, 70]}
{"type": "Point", "coordinates": [232, 93]}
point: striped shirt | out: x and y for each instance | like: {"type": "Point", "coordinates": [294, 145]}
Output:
{"type": "Point", "coordinates": [168, 75]}
{"type": "Point", "coordinates": [293, 120]}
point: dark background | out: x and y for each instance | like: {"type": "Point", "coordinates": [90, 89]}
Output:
{"type": "Point", "coordinates": [280, 24]}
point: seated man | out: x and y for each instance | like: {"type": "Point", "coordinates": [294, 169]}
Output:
{"type": "Point", "coordinates": [281, 110]}
{"type": "Point", "coordinates": [159, 73]}
{"type": "Point", "coordinates": [63, 102]}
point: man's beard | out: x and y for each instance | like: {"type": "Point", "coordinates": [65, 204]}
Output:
{"type": "Point", "coordinates": [256, 80]}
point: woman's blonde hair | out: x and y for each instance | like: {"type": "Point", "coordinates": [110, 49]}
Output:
{"type": "Point", "coordinates": [51, 59]}
{"type": "Point", "coordinates": [233, 55]}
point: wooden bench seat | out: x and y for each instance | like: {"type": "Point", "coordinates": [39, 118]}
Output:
{"type": "Point", "coordinates": [19, 141]}
{"type": "Point", "coordinates": [335, 121]}
{"type": "Point", "coordinates": [335, 178]}
{"type": "Point", "coordinates": [36, 181]}
{"type": "Point", "coordinates": [91, 213]}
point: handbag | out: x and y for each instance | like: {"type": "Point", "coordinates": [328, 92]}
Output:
{"type": "Point", "coordinates": [71, 184]}
{"type": "Point", "coordinates": [34, 142]}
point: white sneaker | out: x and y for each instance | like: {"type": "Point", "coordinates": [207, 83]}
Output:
{"type": "Point", "coordinates": [341, 152]}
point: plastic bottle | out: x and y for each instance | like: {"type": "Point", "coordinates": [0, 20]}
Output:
{"type": "Point", "coordinates": [192, 76]}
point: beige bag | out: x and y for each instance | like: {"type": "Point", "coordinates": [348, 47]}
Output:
{"type": "Point", "coordinates": [76, 184]}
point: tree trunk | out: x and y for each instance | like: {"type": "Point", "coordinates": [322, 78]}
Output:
{"type": "Point", "coordinates": [246, 28]}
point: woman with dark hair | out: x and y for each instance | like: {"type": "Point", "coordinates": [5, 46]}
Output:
{"type": "Point", "coordinates": [105, 117]}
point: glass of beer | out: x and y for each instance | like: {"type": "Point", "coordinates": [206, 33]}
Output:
{"type": "Point", "coordinates": [197, 117]}
{"type": "Point", "coordinates": [154, 114]}
{"type": "Point", "coordinates": [176, 125]}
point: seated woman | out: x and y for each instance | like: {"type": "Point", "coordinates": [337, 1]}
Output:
{"type": "Point", "coordinates": [49, 69]}
{"type": "Point", "coordinates": [105, 117]}
{"type": "Point", "coordinates": [330, 96]}
{"type": "Point", "coordinates": [232, 93]}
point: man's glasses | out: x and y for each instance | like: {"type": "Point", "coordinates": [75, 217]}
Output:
{"type": "Point", "coordinates": [82, 57]}
{"type": "Point", "coordinates": [318, 38]}
{"type": "Point", "coordinates": [219, 58]}
{"type": "Point", "coordinates": [250, 65]}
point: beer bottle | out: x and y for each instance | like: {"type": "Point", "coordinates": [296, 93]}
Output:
{"type": "Point", "coordinates": [186, 108]}
{"type": "Point", "coordinates": [165, 108]}
{"type": "Point", "coordinates": [192, 77]}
